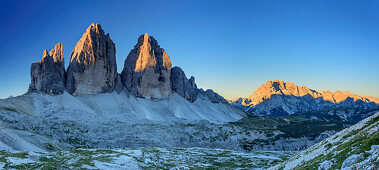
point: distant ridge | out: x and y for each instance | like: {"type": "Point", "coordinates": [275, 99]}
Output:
{"type": "Point", "coordinates": [278, 98]}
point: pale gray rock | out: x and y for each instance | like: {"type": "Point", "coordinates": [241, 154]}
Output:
{"type": "Point", "coordinates": [181, 85]}
{"type": "Point", "coordinates": [147, 70]}
{"type": "Point", "coordinates": [213, 96]}
{"type": "Point", "coordinates": [48, 75]}
{"type": "Point", "coordinates": [93, 67]}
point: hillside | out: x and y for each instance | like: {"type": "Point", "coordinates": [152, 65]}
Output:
{"type": "Point", "coordinates": [356, 147]}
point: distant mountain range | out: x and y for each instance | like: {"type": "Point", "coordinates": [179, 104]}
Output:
{"type": "Point", "coordinates": [279, 98]}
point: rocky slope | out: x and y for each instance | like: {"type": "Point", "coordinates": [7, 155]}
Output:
{"type": "Point", "coordinates": [142, 158]}
{"type": "Point", "coordinates": [356, 147]}
{"type": "Point", "coordinates": [278, 98]}
{"type": "Point", "coordinates": [41, 122]}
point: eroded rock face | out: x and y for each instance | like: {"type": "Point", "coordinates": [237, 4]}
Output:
{"type": "Point", "coordinates": [93, 67]}
{"type": "Point", "coordinates": [181, 85]}
{"type": "Point", "coordinates": [147, 70]}
{"type": "Point", "coordinates": [48, 75]}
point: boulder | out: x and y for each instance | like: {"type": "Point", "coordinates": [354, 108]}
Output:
{"type": "Point", "coordinates": [181, 85]}
{"type": "Point", "coordinates": [93, 67]}
{"type": "Point", "coordinates": [48, 75]}
{"type": "Point", "coordinates": [147, 70]}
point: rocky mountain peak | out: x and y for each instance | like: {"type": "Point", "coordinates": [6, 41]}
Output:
{"type": "Point", "coordinates": [47, 75]}
{"type": "Point", "coordinates": [57, 53]}
{"type": "Point", "coordinates": [147, 69]}
{"type": "Point", "coordinates": [94, 28]}
{"type": "Point", "coordinates": [150, 55]}
{"type": "Point", "coordinates": [279, 87]}
{"type": "Point", "coordinates": [90, 45]}
{"type": "Point", "coordinates": [93, 67]}
{"type": "Point", "coordinates": [45, 54]}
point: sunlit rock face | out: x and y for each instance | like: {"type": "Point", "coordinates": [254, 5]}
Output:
{"type": "Point", "coordinates": [147, 70]}
{"type": "Point", "coordinates": [181, 85]}
{"type": "Point", "coordinates": [48, 75]}
{"type": "Point", "coordinates": [280, 98]}
{"type": "Point", "coordinates": [278, 87]}
{"type": "Point", "coordinates": [93, 67]}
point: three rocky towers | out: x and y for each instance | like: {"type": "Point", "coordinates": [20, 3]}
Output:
{"type": "Point", "coordinates": [147, 72]}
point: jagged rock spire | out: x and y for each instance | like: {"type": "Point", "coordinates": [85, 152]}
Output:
{"type": "Point", "coordinates": [93, 67]}
{"type": "Point", "coordinates": [146, 70]}
{"type": "Point", "coordinates": [48, 75]}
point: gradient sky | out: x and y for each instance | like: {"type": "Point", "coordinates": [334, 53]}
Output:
{"type": "Point", "coordinates": [230, 46]}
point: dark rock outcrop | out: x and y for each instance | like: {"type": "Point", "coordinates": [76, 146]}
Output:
{"type": "Point", "coordinates": [213, 96]}
{"type": "Point", "coordinates": [48, 75]}
{"type": "Point", "coordinates": [93, 67]}
{"type": "Point", "coordinates": [147, 70]}
{"type": "Point", "coordinates": [181, 85]}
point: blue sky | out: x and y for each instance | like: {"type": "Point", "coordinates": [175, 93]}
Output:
{"type": "Point", "coordinates": [230, 46]}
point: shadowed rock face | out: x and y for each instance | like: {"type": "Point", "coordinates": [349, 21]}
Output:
{"type": "Point", "coordinates": [48, 75]}
{"type": "Point", "coordinates": [93, 67]}
{"type": "Point", "coordinates": [181, 85]}
{"type": "Point", "coordinates": [147, 70]}
{"type": "Point", "coordinates": [213, 96]}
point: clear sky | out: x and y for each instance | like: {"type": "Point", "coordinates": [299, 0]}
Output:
{"type": "Point", "coordinates": [231, 47]}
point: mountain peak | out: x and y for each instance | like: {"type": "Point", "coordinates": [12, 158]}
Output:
{"type": "Point", "coordinates": [147, 59]}
{"type": "Point", "coordinates": [47, 75]}
{"type": "Point", "coordinates": [45, 54]}
{"type": "Point", "coordinates": [95, 28]}
{"type": "Point", "coordinates": [93, 67]}
{"type": "Point", "coordinates": [56, 54]}
{"type": "Point", "coordinates": [279, 87]}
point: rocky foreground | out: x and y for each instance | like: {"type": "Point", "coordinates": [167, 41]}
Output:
{"type": "Point", "coordinates": [143, 158]}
